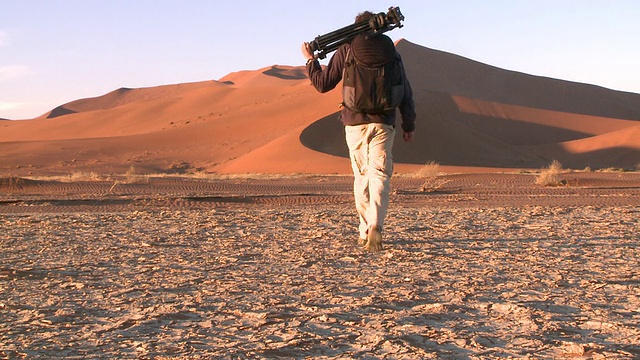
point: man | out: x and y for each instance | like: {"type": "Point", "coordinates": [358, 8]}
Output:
{"type": "Point", "coordinates": [369, 136]}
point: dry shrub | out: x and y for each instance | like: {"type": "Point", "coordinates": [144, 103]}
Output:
{"type": "Point", "coordinates": [83, 176]}
{"type": "Point", "coordinates": [551, 175]}
{"type": "Point", "coordinates": [131, 176]}
{"type": "Point", "coordinates": [612, 169]}
{"type": "Point", "coordinates": [430, 172]}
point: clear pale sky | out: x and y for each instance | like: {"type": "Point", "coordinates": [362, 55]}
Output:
{"type": "Point", "coordinates": [56, 51]}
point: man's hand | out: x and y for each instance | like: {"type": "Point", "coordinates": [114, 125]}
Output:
{"type": "Point", "coordinates": [306, 51]}
{"type": "Point", "coordinates": [407, 136]}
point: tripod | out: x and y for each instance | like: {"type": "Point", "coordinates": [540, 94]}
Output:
{"type": "Point", "coordinates": [377, 24]}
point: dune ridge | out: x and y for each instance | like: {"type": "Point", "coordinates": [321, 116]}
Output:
{"type": "Point", "coordinates": [471, 116]}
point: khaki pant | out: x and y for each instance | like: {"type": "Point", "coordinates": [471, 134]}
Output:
{"type": "Point", "coordinates": [372, 164]}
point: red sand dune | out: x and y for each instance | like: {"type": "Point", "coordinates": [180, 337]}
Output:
{"type": "Point", "coordinates": [271, 120]}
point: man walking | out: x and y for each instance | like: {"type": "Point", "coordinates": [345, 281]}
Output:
{"type": "Point", "coordinates": [369, 115]}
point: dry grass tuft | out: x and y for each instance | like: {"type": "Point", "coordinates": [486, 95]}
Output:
{"type": "Point", "coordinates": [430, 173]}
{"type": "Point", "coordinates": [132, 176]}
{"type": "Point", "coordinates": [82, 176]}
{"type": "Point", "coordinates": [551, 175]}
{"type": "Point", "coordinates": [72, 177]}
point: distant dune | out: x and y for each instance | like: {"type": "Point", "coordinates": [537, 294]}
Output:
{"type": "Point", "coordinates": [471, 117]}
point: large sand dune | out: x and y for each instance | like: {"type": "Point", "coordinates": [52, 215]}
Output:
{"type": "Point", "coordinates": [271, 120]}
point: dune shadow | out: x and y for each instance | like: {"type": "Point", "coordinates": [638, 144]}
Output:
{"type": "Point", "coordinates": [60, 111]}
{"type": "Point", "coordinates": [519, 133]}
{"type": "Point", "coordinates": [286, 74]}
{"type": "Point", "coordinates": [613, 157]}
{"type": "Point", "coordinates": [450, 137]}
{"type": "Point", "coordinates": [436, 70]}
{"type": "Point", "coordinates": [326, 136]}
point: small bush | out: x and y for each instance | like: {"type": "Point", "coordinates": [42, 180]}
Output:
{"type": "Point", "coordinates": [429, 172]}
{"type": "Point", "coordinates": [551, 175]}
{"type": "Point", "coordinates": [612, 169]}
{"type": "Point", "coordinates": [131, 176]}
{"type": "Point", "coordinates": [84, 176]}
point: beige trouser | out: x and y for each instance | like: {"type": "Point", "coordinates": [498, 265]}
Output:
{"type": "Point", "coordinates": [372, 164]}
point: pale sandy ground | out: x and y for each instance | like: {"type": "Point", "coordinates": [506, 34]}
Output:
{"type": "Point", "coordinates": [269, 269]}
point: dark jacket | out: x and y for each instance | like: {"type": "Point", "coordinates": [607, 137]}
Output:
{"type": "Point", "coordinates": [328, 78]}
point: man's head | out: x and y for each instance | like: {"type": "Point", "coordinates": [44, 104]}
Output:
{"type": "Point", "coordinates": [364, 16]}
{"type": "Point", "coordinates": [372, 50]}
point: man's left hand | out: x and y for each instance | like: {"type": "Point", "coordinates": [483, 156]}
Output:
{"type": "Point", "coordinates": [407, 136]}
{"type": "Point", "coordinates": [306, 51]}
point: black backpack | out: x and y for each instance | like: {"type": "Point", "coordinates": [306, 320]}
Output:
{"type": "Point", "coordinates": [372, 89]}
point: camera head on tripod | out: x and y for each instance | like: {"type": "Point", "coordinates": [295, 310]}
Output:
{"type": "Point", "coordinates": [382, 22]}
{"type": "Point", "coordinates": [376, 24]}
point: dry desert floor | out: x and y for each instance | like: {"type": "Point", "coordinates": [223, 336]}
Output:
{"type": "Point", "coordinates": [486, 266]}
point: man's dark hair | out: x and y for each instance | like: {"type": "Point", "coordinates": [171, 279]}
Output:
{"type": "Point", "coordinates": [364, 16]}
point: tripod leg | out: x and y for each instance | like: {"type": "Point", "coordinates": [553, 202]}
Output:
{"type": "Point", "coordinates": [347, 31]}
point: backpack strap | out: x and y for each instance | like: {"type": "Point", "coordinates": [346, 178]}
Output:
{"type": "Point", "coordinates": [348, 90]}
